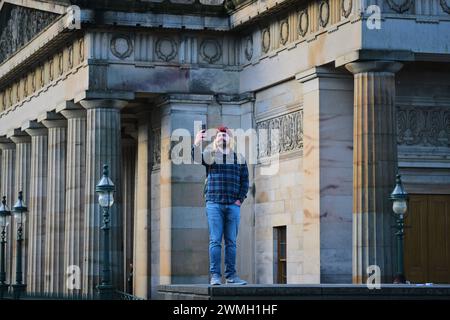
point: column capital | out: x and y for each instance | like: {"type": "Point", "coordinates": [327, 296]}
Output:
{"type": "Point", "coordinates": [374, 66]}
{"type": "Point", "coordinates": [319, 72]}
{"type": "Point", "coordinates": [71, 110]}
{"type": "Point", "coordinates": [18, 136]}
{"type": "Point", "coordinates": [74, 114]}
{"type": "Point", "coordinates": [52, 120]}
{"type": "Point", "coordinates": [34, 129]}
{"type": "Point", "coordinates": [103, 104]}
{"type": "Point", "coordinates": [6, 144]}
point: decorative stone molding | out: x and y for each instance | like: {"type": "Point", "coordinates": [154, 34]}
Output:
{"type": "Point", "coordinates": [303, 22]}
{"type": "Point", "coordinates": [10, 95]}
{"type": "Point", "coordinates": [121, 46]}
{"type": "Point", "coordinates": [41, 78]}
{"type": "Point", "coordinates": [346, 7]}
{"type": "Point", "coordinates": [60, 64]}
{"type": "Point", "coordinates": [248, 51]}
{"type": "Point", "coordinates": [25, 87]}
{"type": "Point", "coordinates": [265, 40]}
{"type": "Point", "coordinates": [31, 81]}
{"type": "Point", "coordinates": [81, 49]}
{"type": "Point", "coordinates": [284, 31]}
{"type": "Point", "coordinates": [50, 70]}
{"type": "Point", "coordinates": [445, 4]}
{"type": "Point", "coordinates": [17, 92]}
{"type": "Point", "coordinates": [400, 6]}
{"type": "Point", "coordinates": [324, 13]}
{"type": "Point", "coordinates": [210, 50]}
{"type": "Point", "coordinates": [420, 126]}
{"type": "Point", "coordinates": [166, 49]}
{"type": "Point", "coordinates": [70, 57]}
{"type": "Point", "coordinates": [289, 137]}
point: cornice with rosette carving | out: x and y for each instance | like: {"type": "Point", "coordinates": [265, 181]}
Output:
{"type": "Point", "coordinates": [400, 6]}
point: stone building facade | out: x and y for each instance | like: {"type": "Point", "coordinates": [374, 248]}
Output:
{"type": "Point", "coordinates": [358, 90]}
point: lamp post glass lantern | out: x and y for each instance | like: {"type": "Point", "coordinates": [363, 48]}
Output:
{"type": "Point", "coordinates": [20, 211]}
{"type": "Point", "coordinates": [105, 190]}
{"type": "Point", "coordinates": [399, 199]}
{"type": "Point", "coordinates": [5, 215]}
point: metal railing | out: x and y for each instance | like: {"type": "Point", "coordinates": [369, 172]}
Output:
{"type": "Point", "coordinates": [117, 295]}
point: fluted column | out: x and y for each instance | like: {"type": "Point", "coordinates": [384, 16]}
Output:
{"type": "Point", "coordinates": [75, 189]}
{"type": "Point", "coordinates": [37, 209]}
{"type": "Point", "coordinates": [128, 191]}
{"type": "Point", "coordinates": [102, 147]}
{"type": "Point", "coordinates": [7, 188]}
{"type": "Point", "coordinates": [21, 183]}
{"type": "Point", "coordinates": [56, 190]}
{"type": "Point", "coordinates": [374, 166]}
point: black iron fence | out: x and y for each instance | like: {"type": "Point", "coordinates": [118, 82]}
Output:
{"type": "Point", "coordinates": [117, 295]}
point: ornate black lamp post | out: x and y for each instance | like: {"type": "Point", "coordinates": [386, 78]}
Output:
{"type": "Point", "coordinates": [19, 215]}
{"type": "Point", "coordinates": [105, 189]}
{"type": "Point", "coordinates": [5, 215]}
{"type": "Point", "coordinates": [399, 199]}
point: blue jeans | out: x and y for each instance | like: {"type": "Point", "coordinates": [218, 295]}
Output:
{"type": "Point", "coordinates": [223, 221]}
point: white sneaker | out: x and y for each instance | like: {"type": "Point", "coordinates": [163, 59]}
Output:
{"type": "Point", "coordinates": [215, 280]}
{"type": "Point", "coordinates": [236, 280]}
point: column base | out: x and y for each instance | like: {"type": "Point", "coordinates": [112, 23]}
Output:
{"type": "Point", "coordinates": [3, 289]}
{"type": "Point", "coordinates": [105, 291]}
{"type": "Point", "coordinates": [18, 289]}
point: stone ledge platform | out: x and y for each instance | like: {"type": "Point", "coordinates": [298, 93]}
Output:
{"type": "Point", "coordinates": [303, 292]}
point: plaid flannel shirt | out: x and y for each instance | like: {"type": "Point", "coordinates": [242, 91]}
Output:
{"type": "Point", "coordinates": [227, 176]}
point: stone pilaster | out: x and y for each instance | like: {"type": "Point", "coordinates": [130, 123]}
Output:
{"type": "Point", "coordinates": [142, 219]}
{"type": "Point", "coordinates": [54, 270]}
{"type": "Point", "coordinates": [128, 196]}
{"type": "Point", "coordinates": [75, 192]}
{"type": "Point", "coordinates": [37, 209]}
{"type": "Point", "coordinates": [183, 227]}
{"type": "Point", "coordinates": [327, 172]}
{"type": "Point", "coordinates": [374, 166]}
{"type": "Point", "coordinates": [7, 188]}
{"type": "Point", "coordinates": [21, 183]}
{"type": "Point", "coordinates": [102, 147]}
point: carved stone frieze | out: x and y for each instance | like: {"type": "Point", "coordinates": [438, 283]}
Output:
{"type": "Point", "coordinates": [280, 134]}
{"type": "Point", "coordinates": [420, 126]}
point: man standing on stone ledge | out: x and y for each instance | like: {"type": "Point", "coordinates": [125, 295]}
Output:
{"type": "Point", "coordinates": [226, 187]}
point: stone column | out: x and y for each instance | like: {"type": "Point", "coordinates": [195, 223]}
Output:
{"type": "Point", "coordinates": [183, 224]}
{"type": "Point", "coordinates": [75, 192]}
{"type": "Point", "coordinates": [7, 188]}
{"type": "Point", "coordinates": [102, 147]}
{"type": "Point", "coordinates": [21, 183]}
{"type": "Point", "coordinates": [54, 270]}
{"type": "Point", "coordinates": [142, 219]}
{"type": "Point", "coordinates": [374, 166]}
{"type": "Point", "coordinates": [128, 196]}
{"type": "Point", "coordinates": [327, 176]}
{"type": "Point", "coordinates": [37, 207]}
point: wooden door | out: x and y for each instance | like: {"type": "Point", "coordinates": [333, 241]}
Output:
{"type": "Point", "coordinates": [427, 239]}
